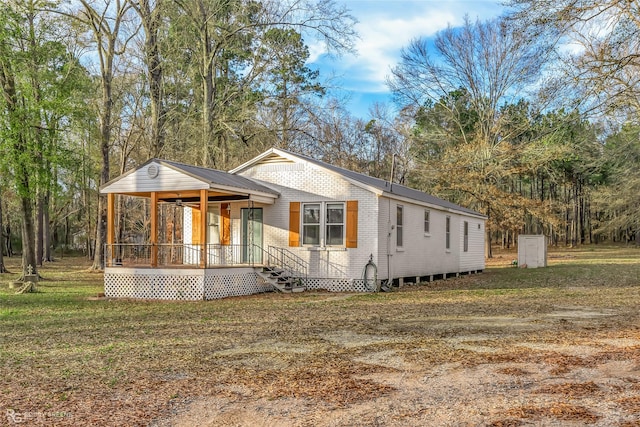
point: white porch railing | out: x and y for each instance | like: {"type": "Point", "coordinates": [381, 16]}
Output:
{"type": "Point", "coordinates": [182, 255]}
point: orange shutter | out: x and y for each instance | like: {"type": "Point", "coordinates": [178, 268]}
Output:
{"type": "Point", "coordinates": [294, 224]}
{"type": "Point", "coordinates": [225, 223]}
{"type": "Point", "coordinates": [195, 226]}
{"type": "Point", "coordinates": [352, 224]}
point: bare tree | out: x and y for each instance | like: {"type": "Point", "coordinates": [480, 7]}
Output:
{"type": "Point", "coordinates": [470, 73]}
{"type": "Point", "coordinates": [601, 40]}
{"type": "Point", "coordinates": [111, 27]}
{"type": "Point", "coordinates": [227, 33]}
{"type": "Point", "coordinates": [150, 13]}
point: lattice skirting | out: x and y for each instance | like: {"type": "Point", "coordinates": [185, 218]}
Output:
{"type": "Point", "coordinates": [338, 285]}
{"type": "Point", "coordinates": [193, 285]}
{"type": "Point", "coordinates": [233, 284]}
{"type": "Point", "coordinates": [188, 285]}
{"type": "Point", "coordinates": [153, 285]}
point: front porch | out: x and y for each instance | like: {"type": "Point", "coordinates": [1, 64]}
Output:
{"type": "Point", "coordinates": [176, 231]}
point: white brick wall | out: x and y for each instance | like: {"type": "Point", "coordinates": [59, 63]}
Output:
{"type": "Point", "coordinates": [317, 185]}
{"type": "Point", "coordinates": [421, 255]}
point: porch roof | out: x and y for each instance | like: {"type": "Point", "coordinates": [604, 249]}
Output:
{"type": "Point", "coordinates": [180, 181]}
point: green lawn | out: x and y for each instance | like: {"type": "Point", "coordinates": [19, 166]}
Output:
{"type": "Point", "coordinates": [69, 358]}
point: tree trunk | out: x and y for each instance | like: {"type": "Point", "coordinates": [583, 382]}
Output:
{"type": "Point", "coordinates": [105, 140]}
{"type": "Point", "coordinates": [208, 87]}
{"type": "Point", "coordinates": [39, 229]}
{"type": "Point", "coordinates": [28, 237]}
{"type": "Point", "coordinates": [487, 244]}
{"type": "Point", "coordinates": [151, 20]}
{"type": "Point", "coordinates": [2, 245]}
{"type": "Point", "coordinates": [8, 241]}
{"type": "Point", "coordinates": [46, 235]}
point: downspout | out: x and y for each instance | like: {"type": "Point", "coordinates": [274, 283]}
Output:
{"type": "Point", "coordinates": [389, 242]}
{"type": "Point", "coordinates": [251, 248]}
{"type": "Point", "coordinates": [389, 226]}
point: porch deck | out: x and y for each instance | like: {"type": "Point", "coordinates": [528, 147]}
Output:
{"type": "Point", "coordinates": [192, 272]}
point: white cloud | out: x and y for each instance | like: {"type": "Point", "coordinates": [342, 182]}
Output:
{"type": "Point", "coordinates": [382, 39]}
{"type": "Point", "coordinates": [385, 27]}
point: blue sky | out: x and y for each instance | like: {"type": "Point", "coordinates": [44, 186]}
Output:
{"type": "Point", "coordinates": [385, 27]}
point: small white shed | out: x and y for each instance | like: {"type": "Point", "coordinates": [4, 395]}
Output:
{"type": "Point", "coordinates": [532, 251]}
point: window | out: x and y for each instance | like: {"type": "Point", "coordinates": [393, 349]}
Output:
{"type": "Point", "coordinates": [427, 213]}
{"type": "Point", "coordinates": [399, 226]}
{"type": "Point", "coordinates": [329, 217]}
{"type": "Point", "coordinates": [448, 233]}
{"type": "Point", "coordinates": [311, 224]}
{"type": "Point", "coordinates": [466, 236]}
{"type": "Point", "coordinates": [335, 224]}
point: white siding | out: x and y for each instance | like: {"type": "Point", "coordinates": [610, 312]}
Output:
{"type": "Point", "coordinates": [167, 179]}
{"type": "Point", "coordinates": [421, 254]}
{"type": "Point", "coordinates": [473, 259]}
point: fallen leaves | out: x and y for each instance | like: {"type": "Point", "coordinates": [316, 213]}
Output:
{"type": "Point", "coordinates": [558, 410]}
{"type": "Point", "coordinates": [572, 390]}
{"type": "Point", "coordinates": [339, 382]}
{"type": "Point", "coordinates": [108, 362]}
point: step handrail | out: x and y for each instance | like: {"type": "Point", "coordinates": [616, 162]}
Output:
{"type": "Point", "coordinates": [287, 260]}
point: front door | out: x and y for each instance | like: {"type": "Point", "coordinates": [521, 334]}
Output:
{"type": "Point", "coordinates": [251, 235]}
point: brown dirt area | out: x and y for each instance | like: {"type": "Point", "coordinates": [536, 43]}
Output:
{"type": "Point", "coordinates": [529, 378]}
{"type": "Point", "coordinates": [570, 358]}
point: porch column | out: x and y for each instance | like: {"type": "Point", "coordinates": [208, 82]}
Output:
{"type": "Point", "coordinates": [111, 228]}
{"type": "Point", "coordinates": [154, 229]}
{"type": "Point", "coordinates": [204, 202]}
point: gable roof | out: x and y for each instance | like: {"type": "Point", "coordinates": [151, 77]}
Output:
{"type": "Point", "coordinates": [219, 178]}
{"type": "Point", "coordinates": [382, 186]}
{"type": "Point", "coordinates": [191, 178]}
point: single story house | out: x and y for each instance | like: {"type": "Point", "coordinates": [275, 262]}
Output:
{"type": "Point", "coordinates": [284, 221]}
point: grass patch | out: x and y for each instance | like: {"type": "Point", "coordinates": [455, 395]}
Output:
{"type": "Point", "coordinates": [125, 362]}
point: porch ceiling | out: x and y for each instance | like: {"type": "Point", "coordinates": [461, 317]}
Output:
{"type": "Point", "coordinates": [193, 196]}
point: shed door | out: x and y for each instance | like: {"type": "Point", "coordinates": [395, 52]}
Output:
{"type": "Point", "coordinates": [531, 253]}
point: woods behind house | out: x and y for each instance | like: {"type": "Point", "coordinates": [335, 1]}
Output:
{"type": "Point", "coordinates": [531, 119]}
